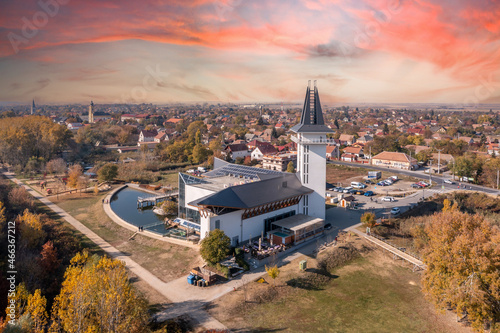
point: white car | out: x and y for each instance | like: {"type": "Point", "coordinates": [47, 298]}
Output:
{"type": "Point", "coordinates": [447, 181]}
{"type": "Point", "coordinates": [395, 211]}
{"type": "Point", "coordinates": [387, 199]}
{"type": "Point", "coordinates": [347, 189]}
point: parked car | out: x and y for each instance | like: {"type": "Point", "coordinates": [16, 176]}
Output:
{"type": "Point", "coordinates": [369, 182]}
{"type": "Point", "coordinates": [394, 178]}
{"type": "Point", "coordinates": [369, 193]}
{"type": "Point", "coordinates": [388, 199]}
{"type": "Point", "coordinates": [360, 192]}
{"type": "Point", "coordinates": [425, 183]}
{"type": "Point", "coordinates": [416, 185]}
{"type": "Point", "coordinates": [388, 181]}
{"type": "Point", "coordinates": [338, 189]}
{"type": "Point", "coordinates": [382, 183]}
{"type": "Point", "coordinates": [347, 189]}
{"type": "Point", "coordinates": [447, 181]}
{"type": "Point", "coordinates": [395, 211]}
{"type": "Point", "coordinates": [328, 226]}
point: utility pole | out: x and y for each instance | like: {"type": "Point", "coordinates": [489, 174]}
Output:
{"type": "Point", "coordinates": [370, 155]}
{"type": "Point", "coordinates": [439, 160]}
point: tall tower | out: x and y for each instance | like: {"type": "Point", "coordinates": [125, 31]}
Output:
{"type": "Point", "coordinates": [33, 107]}
{"type": "Point", "coordinates": [91, 112]}
{"type": "Point", "coordinates": [311, 153]}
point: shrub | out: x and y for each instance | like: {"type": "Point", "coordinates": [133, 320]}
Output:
{"type": "Point", "coordinates": [338, 257]}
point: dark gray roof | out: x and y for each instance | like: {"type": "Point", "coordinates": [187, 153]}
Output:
{"type": "Point", "coordinates": [311, 121]}
{"type": "Point", "coordinates": [281, 187]}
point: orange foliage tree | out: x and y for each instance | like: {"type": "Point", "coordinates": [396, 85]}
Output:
{"type": "Point", "coordinates": [463, 266]}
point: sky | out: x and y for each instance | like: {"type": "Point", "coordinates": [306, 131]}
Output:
{"type": "Point", "coordinates": [248, 51]}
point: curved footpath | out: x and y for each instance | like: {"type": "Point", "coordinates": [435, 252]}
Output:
{"type": "Point", "coordinates": [118, 220]}
{"type": "Point", "coordinates": [185, 298]}
{"type": "Point", "coordinates": [193, 308]}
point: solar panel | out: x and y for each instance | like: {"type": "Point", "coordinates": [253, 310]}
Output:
{"type": "Point", "coordinates": [242, 171]}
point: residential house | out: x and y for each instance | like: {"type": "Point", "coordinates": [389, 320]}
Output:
{"type": "Point", "coordinates": [466, 139]}
{"type": "Point", "coordinates": [236, 150]}
{"type": "Point", "coordinates": [357, 151]}
{"type": "Point", "coordinates": [346, 139]}
{"type": "Point", "coordinates": [259, 152]}
{"type": "Point", "coordinates": [147, 136]}
{"type": "Point", "coordinates": [493, 149]}
{"type": "Point", "coordinates": [332, 152]}
{"type": "Point", "coordinates": [279, 162]}
{"type": "Point", "coordinates": [394, 160]}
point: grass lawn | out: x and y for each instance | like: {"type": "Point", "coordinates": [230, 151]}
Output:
{"type": "Point", "coordinates": [371, 294]}
{"type": "Point", "coordinates": [165, 260]}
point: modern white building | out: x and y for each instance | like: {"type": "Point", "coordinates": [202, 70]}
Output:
{"type": "Point", "coordinates": [246, 202]}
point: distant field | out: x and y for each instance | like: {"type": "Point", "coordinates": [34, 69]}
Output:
{"type": "Point", "coordinates": [372, 294]}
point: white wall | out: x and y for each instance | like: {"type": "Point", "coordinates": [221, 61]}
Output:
{"type": "Point", "coordinates": [233, 225]}
{"type": "Point", "coordinates": [242, 153]}
{"type": "Point", "coordinates": [193, 193]}
{"type": "Point", "coordinates": [314, 168]}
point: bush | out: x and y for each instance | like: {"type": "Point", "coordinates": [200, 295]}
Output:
{"type": "Point", "coordinates": [338, 257]}
{"type": "Point", "coordinates": [215, 246]}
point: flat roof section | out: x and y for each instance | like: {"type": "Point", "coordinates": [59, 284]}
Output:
{"type": "Point", "coordinates": [298, 222]}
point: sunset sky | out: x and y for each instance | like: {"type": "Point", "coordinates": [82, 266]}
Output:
{"type": "Point", "coordinates": [154, 51]}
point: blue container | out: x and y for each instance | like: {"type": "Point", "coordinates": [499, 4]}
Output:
{"type": "Point", "coordinates": [191, 279]}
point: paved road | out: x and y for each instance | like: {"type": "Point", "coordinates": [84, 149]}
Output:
{"type": "Point", "coordinates": [420, 174]}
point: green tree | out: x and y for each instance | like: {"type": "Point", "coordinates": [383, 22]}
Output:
{"type": "Point", "coordinates": [169, 207]}
{"type": "Point", "coordinates": [107, 173]}
{"type": "Point", "coordinates": [200, 154]}
{"type": "Point", "coordinates": [215, 246]}
{"type": "Point", "coordinates": [290, 168]}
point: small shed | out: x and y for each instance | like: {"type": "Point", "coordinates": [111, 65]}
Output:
{"type": "Point", "coordinates": [347, 201]}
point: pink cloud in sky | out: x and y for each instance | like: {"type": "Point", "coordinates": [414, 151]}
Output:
{"type": "Point", "coordinates": [459, 38]}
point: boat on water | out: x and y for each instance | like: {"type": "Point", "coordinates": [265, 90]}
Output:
{"type": "Point", "coordinates": [159, 211]}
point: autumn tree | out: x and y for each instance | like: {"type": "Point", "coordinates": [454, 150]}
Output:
{"type": "Point", "coordinates": [75, 172]}
{"type": "Point", "coordinates": [273, 272]}
{"type": "Point", "coordinates": [463, 266]}
{"type": "Point", "coordinates": [20, 199]}
{"type": "Point", "coordinates": [368, 219]}
{"type": "Point", "coordinates": [56, 166]}
{"type": "Point", "coordinates": [30, 227]}
{"type": "Point", "coordinates": [22, 138]}
{"type": "Point", "coordinates": [96, 296]}
{"type": "Point", "coordinates": [108, 172]}
{"type": "Point", "coordinates": [37, 310]}
{"type": "Point", "coordinates": [215, 246]}
{"type": "Point", "coordinates": [169, 207]}
{"type": "Point", "coordinates": [290, 168]}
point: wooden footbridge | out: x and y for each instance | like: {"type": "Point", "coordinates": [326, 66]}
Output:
{"type": "Point", "coordinates": [397, 253]}
{"type": "Point", "coordinates": [155, 199]}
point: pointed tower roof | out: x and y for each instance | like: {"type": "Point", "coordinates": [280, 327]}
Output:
{"type": "Point", "coordinates": [311, 120]}
{"type": "Point", "coordinates": [33, 103]}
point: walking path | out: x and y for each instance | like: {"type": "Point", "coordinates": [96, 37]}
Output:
{"type": "Point", "coordinates": [417, 264]}
{"type": "Point", "coordinates": [190, 305]}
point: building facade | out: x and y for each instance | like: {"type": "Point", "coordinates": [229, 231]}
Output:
{"type": "Point", "coordinates": [247, 202]}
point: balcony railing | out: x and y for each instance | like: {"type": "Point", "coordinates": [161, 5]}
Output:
{"type": "Point", "coordinates": [321, 141]}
